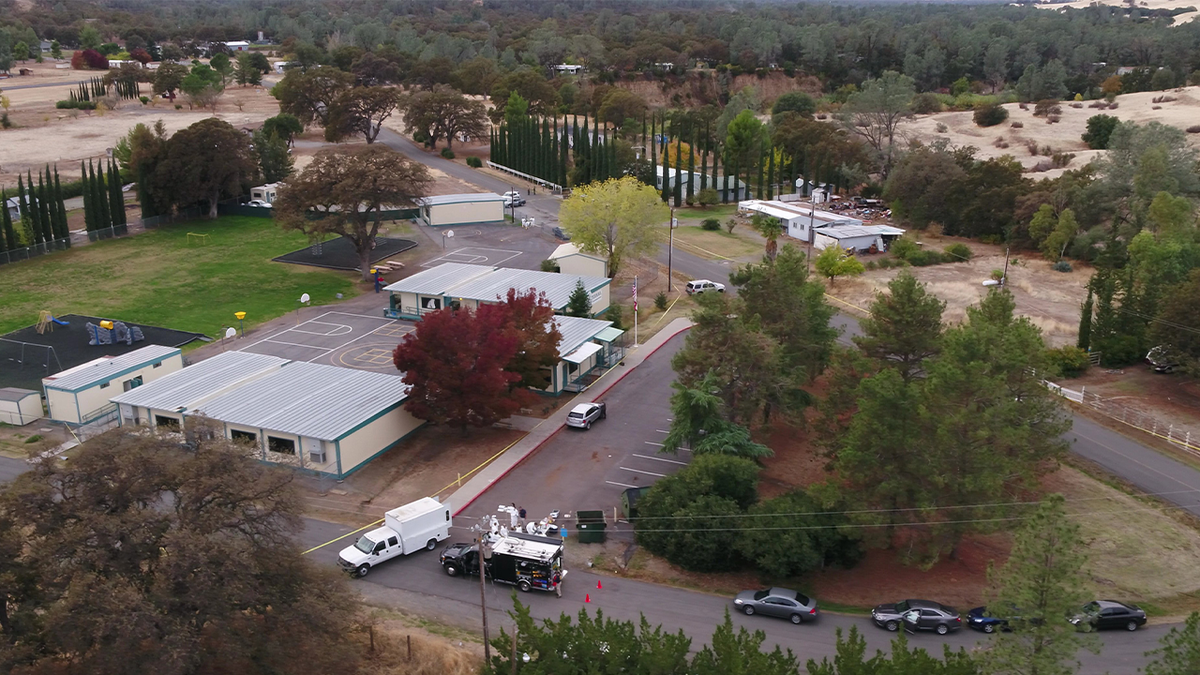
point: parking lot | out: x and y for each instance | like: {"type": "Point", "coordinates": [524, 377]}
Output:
{"type": "Point", "coordinates": [588, 470]}
{"type": "Point", "coordinates": [337, 338]}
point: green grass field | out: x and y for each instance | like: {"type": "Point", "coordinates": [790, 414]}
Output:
{"type": "Point", "coordinates": [156, 278]}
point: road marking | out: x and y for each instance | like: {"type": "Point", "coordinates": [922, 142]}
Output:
{"type": "Point", "coordinates": [620, 484]}
{"type": "Point", "coordinates": [662, 431]}
{"type": "Point", "coordinates": [653, 443]}
{"type": "Point", "coordinates": [648, 473]}
{"type": "Point", "coordinates": [364, 527]}
{"type": "Point", "coordinates": [660, 459]}
{"type": "Point", "coordinates": [296, 344]}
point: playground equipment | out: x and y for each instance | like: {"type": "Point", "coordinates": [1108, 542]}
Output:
{"type": "Point", "coordinates": [46, 322]}
{"type": "Point", "coordinates": [195, 239]}
{"type": "Point", "coordinates": [112, 332]}
{"type": "Point", "coordinates": [25, 353]}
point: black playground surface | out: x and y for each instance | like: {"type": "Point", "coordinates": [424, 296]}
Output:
{"type": "Point", "coordinates": [24, 365]}
{"type": "Point", "coordinates": [339, 253]}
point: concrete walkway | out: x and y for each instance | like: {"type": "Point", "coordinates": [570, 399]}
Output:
{"type": "Point", "coordinates": [550, 426]}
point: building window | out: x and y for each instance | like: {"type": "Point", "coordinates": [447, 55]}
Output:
{"type": "Point", "coordinates": [244, 437]}
{"type": "Point", "coordinates": [284, 446]}
{"type": "Point", "coordinates": [130, 384]}
{"type": "Point", "coordinates": [104, 385]}
{"type": "Point", "coordinates": [158, 364]}
{"type": "Point", "coordinates": [167, 423]}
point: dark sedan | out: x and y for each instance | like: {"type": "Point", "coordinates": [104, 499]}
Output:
{"type": "Point", "coordinates": [917, 615]}
{"type": "Point", "coordinates": [981, 619]}
{"type": "Point", "coordinates": [780, 602]}
{"type": "Point", "coordinates": [1102, 614]}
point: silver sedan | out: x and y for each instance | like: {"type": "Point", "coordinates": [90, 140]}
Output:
{"type": "Point", "coordinates": [780, 602]}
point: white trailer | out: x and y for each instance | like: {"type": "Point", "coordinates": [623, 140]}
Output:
{"type": "Point", "coordinates": [417, 526]}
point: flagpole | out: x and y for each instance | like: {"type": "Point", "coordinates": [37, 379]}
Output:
{"type": "Point", "coordinates": [635, 312]}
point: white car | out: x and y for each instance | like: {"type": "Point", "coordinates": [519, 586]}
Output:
{"type": "Point", "coordinates": [703, 286]}
{"type": "Point", "coordinates": [582, 415]}
{"type": "Point", "coordinates": [260, 204]}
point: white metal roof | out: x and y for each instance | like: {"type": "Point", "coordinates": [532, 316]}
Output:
{"type": "Point", "coordinates": [463, 198]}
{"type": "Point", "coordinates": [440, 279]}
{"type": "Point", "coordinates": [567, 249]}
{"type": "Point", "coordinates": [106, 368]}
{"type": "Point", "coordinates": [543, 551]}
{"type": "Point", "coordinates": [609, 334]}
{"type": "Point", "coordinates": [15, 394]}
{"type": "Point", "coordinates": [556, 286]}
{"type": "Point", "coordinates": [576, 331]}
{"type": "Point", "coordinates": [309, 399]}
{"type": "Point", "coordinates": [188, 388]}
{"type": "Point", "coordinates": [585, 350]}
{"type": "Point", "coordinates": [792, 210]}
{"type": "Point", "coordinates": [852, 231]}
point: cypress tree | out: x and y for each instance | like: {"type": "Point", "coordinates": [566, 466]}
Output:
{"type": "Point", "coordinates": [51, 202]}
{"type": "Point", "coordinates": [725, 195]}
{"type": "Point", "coordinates": [715, 156]}
{"type": "Point", "coordinates": [6, 242]}
{"type": "Point", "coordinates": [23, 205]}
{"type": "Point", "coordinates": [62, 207]}
{"type": "Point", "coordinates": [678, 191]}
{"type": "Point", "coordinates": [43, 212]}
{"type": "Point", "coordinates": [1084, 341]}
{"type": "Point", "coordinates": [33, 214]}
{"type": "Point", "coordinates": [103, 220]}
{"type": "Point", "coordinates": [770, 173]}
{"type": "Point", "coordinates": [564, 148]}
{"type": "Point", "coordinates": [759, 192]}
{"type": "Point", "coordinates": [613, 170]}
{"type": "Point", "coordinates": [691, 189]}
{"type": "Point", "coordinates": [704, 162]}
{"type": "Point", "coordinates": [116, 197]}
{"type": "Point", "coordinates": [547, 154]}
{"type": "Point", "coordinates": [553, 178]}
{"type": "Point", "coordinates": [89, 211]}
{"type": "Point", "coordinates": [654, 143]}
{"type": "Point", "coordinates": [666, 174]}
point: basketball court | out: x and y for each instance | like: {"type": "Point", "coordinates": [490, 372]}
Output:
{"type": "Point", "coordinates": [337, 338]}
{"type": "Point", "coordinates": [473, 255]}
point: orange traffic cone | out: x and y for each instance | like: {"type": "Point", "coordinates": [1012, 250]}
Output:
{"type": "Point", "coordinates": [598, 585]}
{"type": "Point", "coordinates": [587, 597]}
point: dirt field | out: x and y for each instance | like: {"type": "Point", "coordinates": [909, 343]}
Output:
{"type": "Point", "coordinates": [1050, 299]}
{"type": "Point", "coordinates": [1144, 4]}
{"type": "Point", "coordinates": [1172, 400]}
{"type": "Point", "coordinates": [44, 134]}
{"type": "Point", "coordinates": [1064, 136]}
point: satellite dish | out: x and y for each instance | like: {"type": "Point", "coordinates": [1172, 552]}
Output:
{"type": "Point", "coordinates": [304, 298]}
{"type": "Point", "coordinates": [230, 332]}
{"type": "Point", "coordinates": [450, 233]}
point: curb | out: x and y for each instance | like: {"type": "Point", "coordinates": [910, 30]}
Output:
{"type": "Point", "coordinates": [545, 440]}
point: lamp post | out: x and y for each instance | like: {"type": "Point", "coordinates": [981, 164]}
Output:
{"type": "Point", "coordinates": [240, 316]}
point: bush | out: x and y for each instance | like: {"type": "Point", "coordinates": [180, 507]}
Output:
{"type": "Point", "coordinates": [795, 551]}
{"type": "Point", "coordinates": [5, 123]}
{"type": "Point", "coordinates": [923, 258]}
{"type": "Point", "coordinates": [942, 128]}
{"type": "Point", "coordinates": [614, 315]}
{"type": "Point", "coordinates": [711, 224]}
{"type": "Point", "coordinates": [1047, 107]}
{"type": "Point", "coordinates": [447, 153]}
{"type": "Point", "coordinates": [924, 104]}
{"type": "Point", "coordinates": [990, 115]}
{"type": "Point", "coordinates": [75, 105]}
{"type": "Point", "coordinates": [421, 136]}
{"type": "Point", "coordinates": [660, 301]}
{"type": "Point", "coordinates": [474, 162]}
{"type": "Point", "coordinates": [34, 438]}
{"type": "Point", "coordinates": [707, 197]}
{"type": "Point", "coordinates": [1061, 266]}
{"type": "Point", "coordinates": [872, 265]}
{"type": "Point", "coordinates": [1194, 129]}
{"type": "Point", "coordinates": [1068, 361]}
{"type": "Point", "coordinates": [550, 266]}
{"type": "Point", "coordinates": [1017, 125]}
{"type": "Point", "coordinates": [903, 247]}
{"type": "Point", "coordinates": [958, 252]}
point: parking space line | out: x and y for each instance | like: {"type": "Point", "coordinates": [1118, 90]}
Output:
{"type": "Point", "coordinates": [648, 473]}
{"type": "Point", "coordinates": [653, 443]}
{"type": "Point", "coordinates": [620, 484]}
{"type": "Point", "coordinates": [662, 431]}
{"type": "Point", "coordinates": [296, 344]}
{"type": "Point", "coordinates": [659, 459]}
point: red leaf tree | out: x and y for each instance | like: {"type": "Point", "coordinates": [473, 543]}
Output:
{"type": "Point", "coordinates": [472, 368]}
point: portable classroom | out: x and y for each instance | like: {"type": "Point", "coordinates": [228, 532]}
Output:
{"type": "Point", "coordinates": [19, 406]}
{"type": "Point", "coordinates": [473, 208]}
{"type": "Point", "coordinates": [81, 394]}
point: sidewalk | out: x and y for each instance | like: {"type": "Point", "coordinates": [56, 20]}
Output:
{"type": "Point", "coordinates": [547, 428]}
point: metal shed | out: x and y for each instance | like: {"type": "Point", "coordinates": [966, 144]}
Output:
{"type": "Point", "coordinates": [19, 406]}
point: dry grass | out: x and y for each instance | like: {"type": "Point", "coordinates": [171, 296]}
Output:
{"type": "Point", "coordinates": [717, 244]}
{"type": "Point", "coordinates": [387, 638]}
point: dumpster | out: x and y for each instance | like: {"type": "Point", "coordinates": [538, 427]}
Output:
{"type": "Point", "coordinates": [591, 527]}
{"type": "Point", "coordinates": [629, 500]}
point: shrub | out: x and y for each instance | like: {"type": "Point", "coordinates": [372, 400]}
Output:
{"type": "Point", "coordinates": [420, 136]}
{"type": "Point", "coordinates": [792, 552]}
{"type": "Point", "coordinates": [1068, 361]}
{"type": "Point", "coordinates": [924, 104]}
{"type": "Point", "coordinates": [447, 153]}
{"type": "Point", "coordinates": [1053, 119]}
{"type": "Point", "coordinates": [872, 265]}
{"type": "Point", "coordinates": [474, 162]}
{"type": "Point", "coordinates": [707, 197]}
{"type": "Point", "coordinates": [1194, 129]}
{"type": "Point", "coordinates": [711, 224]}
{"type": "Point", "coordinates": [942, 128]}
{"type": "Point", "coordinates": [1017, 125]}
{"type": "Point", "coordinates": [990, 115]}
{"type": "Point", "coordinates": [1061, 159]}
{"type": "Point", "coordinates": [660, 301]}
{"type": "Point", "coordinates": [5, 123]}
{"type": "Point", "coordinates": [178, 106]}
{"type": "Point", "coordinates": [1076, 105]}
{"type": "Point", "coordinates": [34, 438]}
{"type": "Point", "coordinates": [923, 258]}
{"type": "Point", "coordinates": [550, 266]}
{"type": "Point", "coordinates": [1099, 129]}
{"type": "Point", "coordinates": [75, 105]}
{"type": "Point", "coordinates": [1047, 107]}
{"type": "Point", "coordinates": [1032, 147]}
{"type": "Point", "coordinates": [997, 275]}
{"type": "Point", "coordinates": [903, 247]}
{"type": "Point", "coordinates": [958, 252]}
{"type": "Point", "coordinates": [144, 99]}
{"type": "Point", "coordinates": [1061, 266]}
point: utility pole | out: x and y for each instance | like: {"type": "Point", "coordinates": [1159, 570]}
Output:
{"type": "Point", "coordinates": [812, 218]}
{"type": "Point", "coordinates": [481, 543]}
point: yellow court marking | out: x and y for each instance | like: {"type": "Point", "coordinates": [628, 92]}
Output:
{"type": "Point", "coordinates": [375, 356]}
{"type": "Point", "coordinates": [394, 331]}
{"type": "Point", "coordinates": [848, 304]}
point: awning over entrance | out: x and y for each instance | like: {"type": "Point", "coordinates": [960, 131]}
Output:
{"type": "Point", "coordinates": [585, 350]}
{"type": "Point", "coordinates": [609, 334]}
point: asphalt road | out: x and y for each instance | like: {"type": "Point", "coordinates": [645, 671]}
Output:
{"type": "Point", "coordinates": [11, 468]}
{"type": "Point", "coordinates": [577, 470]}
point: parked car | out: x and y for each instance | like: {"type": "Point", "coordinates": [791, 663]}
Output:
{"type": "Point", "coordinates": [559, 233]}
{"type": "Point", "coordinates": [981, 619]}
{"type": "Point", "coordinates": [510, 200]}
{"type": "Point", "coordinates": [703, 286]}
{"type": "Point", "coordinates": [1160, 359]}
{"type": "Point", "coordinates": [582, 415]}
{"type": "Point", "coordinates": [917, 615]}
{"type": "Point", "coordinates": [259, 203]}
{"type": "Point", "coordinates": [1102, 614]}
{"type": "Point", "coordinates": [780, 602]}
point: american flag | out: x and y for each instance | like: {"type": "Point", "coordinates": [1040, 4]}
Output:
{"type": "Point", "coordinates": [635, 295]}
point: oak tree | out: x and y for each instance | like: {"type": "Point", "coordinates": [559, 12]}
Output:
{"type": "Point", "coordinates": [445, 113]}
{"type": "Point", "coordinates": [343, 192]}
{"type": "Point", "coordinates": [310, 95]}
{"type": "Point", "coordinates": [361, 111]}
{"type": "Point", "coordinates": [619, 218]}
{"type": "Point", "coordinates": [204, 162]}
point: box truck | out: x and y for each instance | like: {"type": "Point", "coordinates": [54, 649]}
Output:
{"type": "Point", "coordinates": [527, 561]}
{"type": "Point", "coordinates": [412, 527]}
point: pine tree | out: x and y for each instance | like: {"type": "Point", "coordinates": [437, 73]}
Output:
{"type": "Point", "coordinates": [1046, 578]}
{"type": "Point", "coordinates": [759, 192]}
{"type": "Point", "coordinates": [61, 205]}
{"type": "Point", "coordinates": [579, 303]}
{"type": "Point", "coordinates": [1084, 341]}
{"type": "Point", "coordinates": [117, 202]}
{"type": "Point", "coordinates": [89, 211]}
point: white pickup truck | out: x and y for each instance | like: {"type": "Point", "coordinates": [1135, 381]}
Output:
{"type": "Point", "coordinates": [409, 528]}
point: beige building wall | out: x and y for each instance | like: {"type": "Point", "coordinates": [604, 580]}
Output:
{"type": "Point", "coordinates": [467, 212]}
{"type": "Point", "coordinates": [363, 444]}
{"type": "Point", "coordinates": [62, 406]}
{"type": "Point", "coordinates": [21, 412]}
{"type": "Point", "coordinates": [583, 265]}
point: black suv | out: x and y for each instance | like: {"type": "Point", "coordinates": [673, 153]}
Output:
{"type": "Point", "coordinates": [917, 615]}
